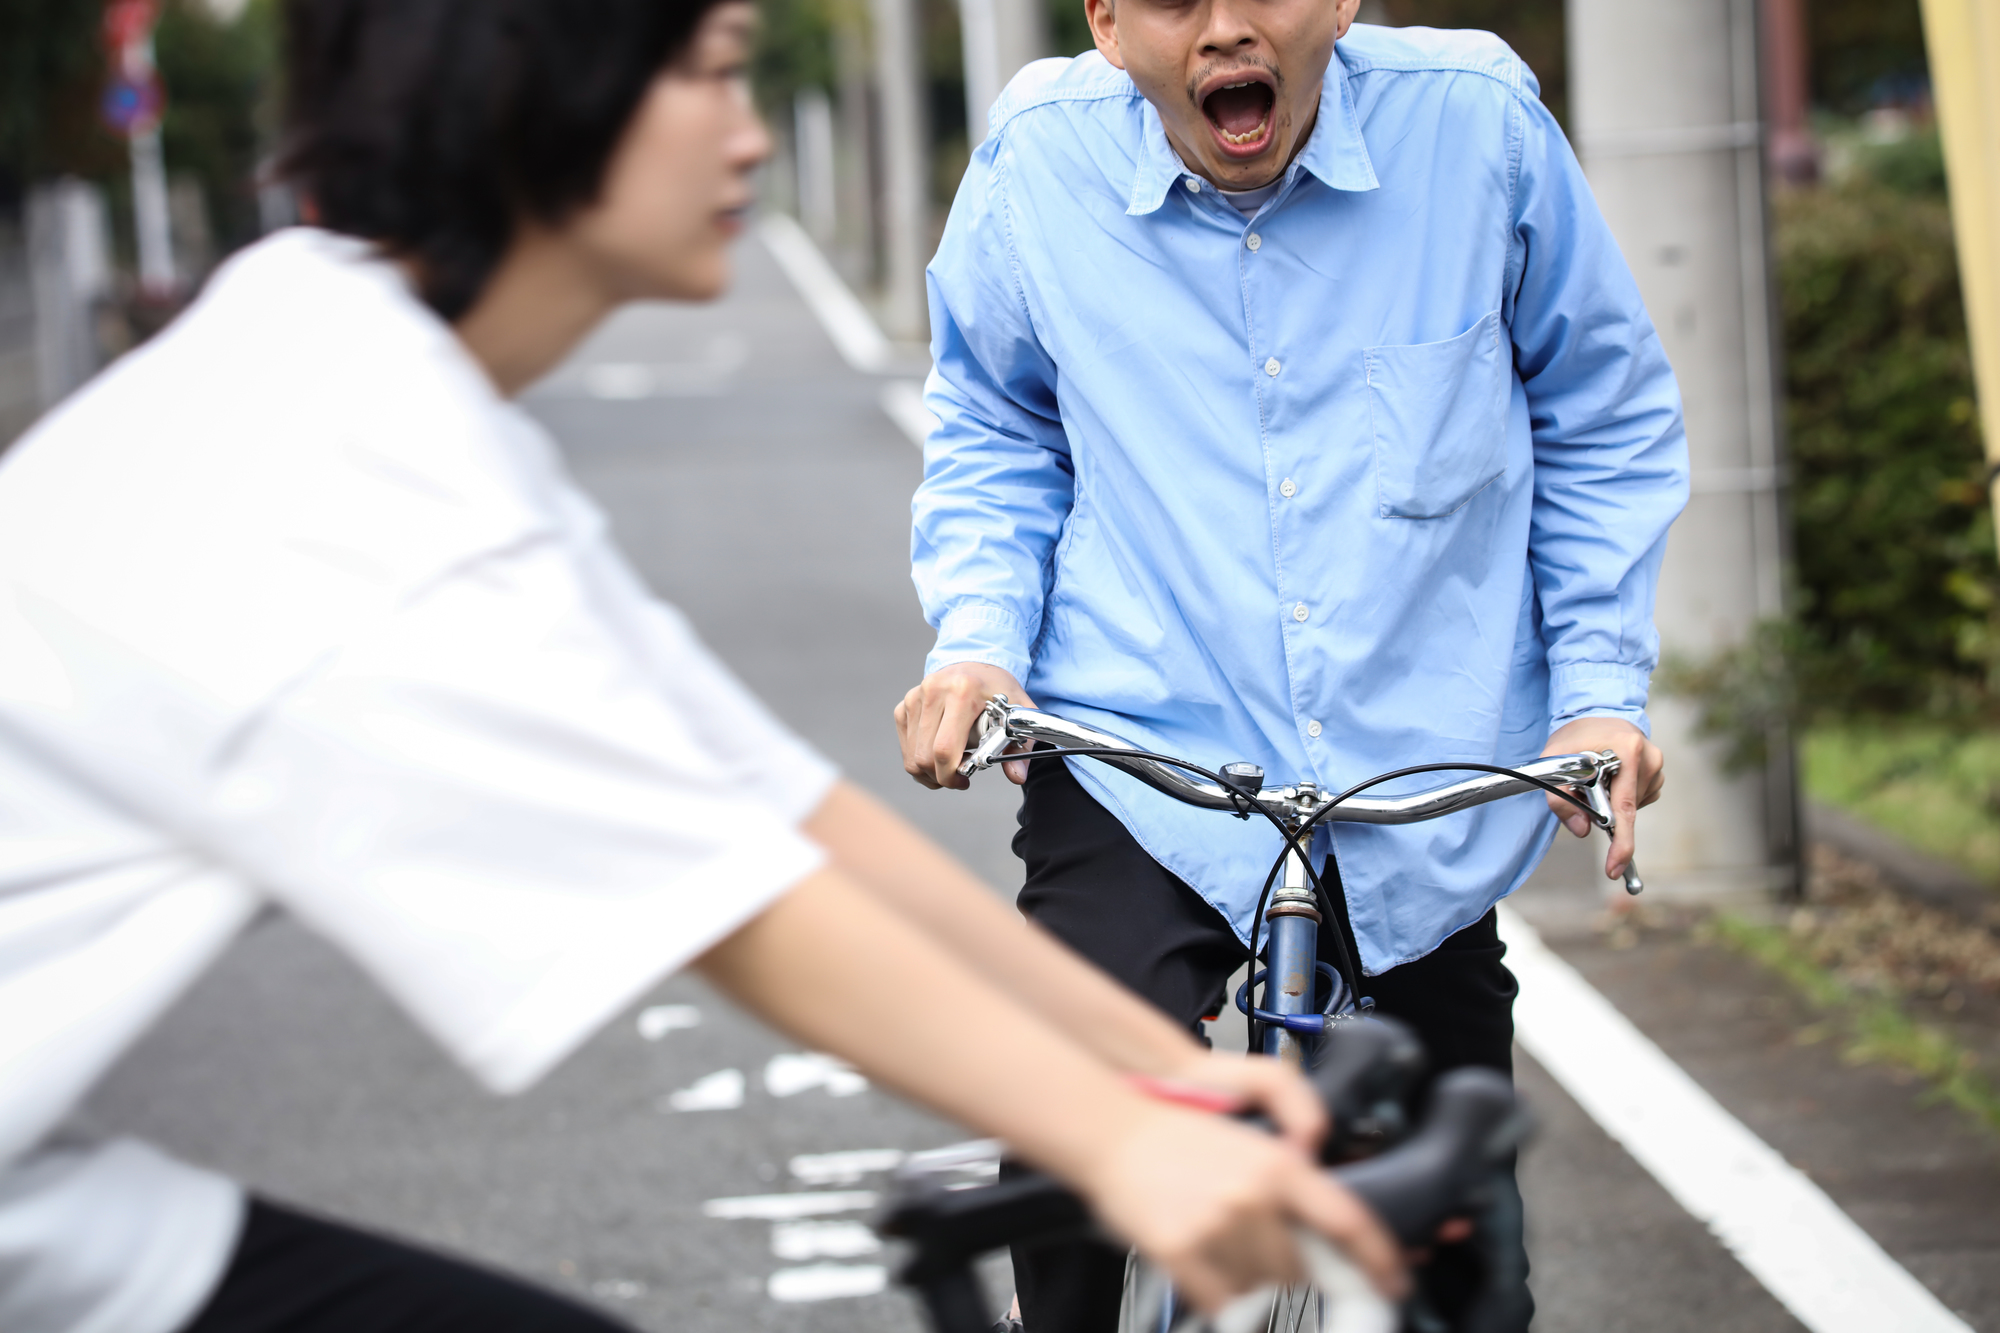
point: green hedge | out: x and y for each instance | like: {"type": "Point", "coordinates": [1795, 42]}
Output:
{"type": "Point", "coordinates": [1895, 569]}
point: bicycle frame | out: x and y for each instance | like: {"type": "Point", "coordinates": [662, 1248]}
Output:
{"type": "Point", "coordinates": [1292, 918]}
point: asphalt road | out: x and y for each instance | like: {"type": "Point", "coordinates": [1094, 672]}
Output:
{"type": "Point", "coordinates": [754, 479]}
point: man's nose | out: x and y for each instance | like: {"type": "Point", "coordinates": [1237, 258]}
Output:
{"type": "Point", "coordinates": [1229, 29]}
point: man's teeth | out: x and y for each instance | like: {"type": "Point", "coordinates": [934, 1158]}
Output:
{"type": "Point", "coordinates": [1251, 137]}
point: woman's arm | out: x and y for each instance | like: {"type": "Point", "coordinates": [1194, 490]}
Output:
{"type": "Point", "coordinates": [836, 967]}
{"type": "Point", "coordinates": [916, 878]}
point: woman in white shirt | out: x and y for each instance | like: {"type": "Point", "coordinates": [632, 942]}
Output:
{"type": "Point", "coordinates": [297, 608]}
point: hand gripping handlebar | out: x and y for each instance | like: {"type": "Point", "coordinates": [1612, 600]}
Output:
{"type": "Point", "coordinates": [1472, 1123]}
{"type": "Point", "coordinates": [1002, 726]}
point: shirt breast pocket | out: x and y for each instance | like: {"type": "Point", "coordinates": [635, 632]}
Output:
{"type": "Point", "coordinates": [1439, 415]}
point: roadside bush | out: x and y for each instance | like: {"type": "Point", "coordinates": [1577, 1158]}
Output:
{"type": "Point", "coordinates": [1895, 555]}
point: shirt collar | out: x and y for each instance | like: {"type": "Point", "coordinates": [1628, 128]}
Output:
{"type": "Point", "coordinates": [1335, 152]}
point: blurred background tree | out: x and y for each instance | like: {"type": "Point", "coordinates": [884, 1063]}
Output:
{"type": "Point", "coordinates": [1534, 28]}
{"type": "Point", "coordinates": [221, 85]}
{"type": "Point", "coordinates": [1895, 563]}
{"type": "Point", "coordinates": [51, 73]}
{"type": "Point", "coordinates": [222, 112]}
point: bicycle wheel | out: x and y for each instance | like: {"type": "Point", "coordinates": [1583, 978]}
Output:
{"type": "Point", "coordinates": [1147, 1308]}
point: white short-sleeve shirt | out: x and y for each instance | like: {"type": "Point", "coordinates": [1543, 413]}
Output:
{"type": "Point", "coordinates": [294, 608]}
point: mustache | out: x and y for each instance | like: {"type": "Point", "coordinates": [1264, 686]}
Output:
{"type": "Point", "coordinates": [1214, 67]}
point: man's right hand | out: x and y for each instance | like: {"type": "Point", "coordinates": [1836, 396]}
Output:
{"type": "Point", "coordinates": [935, 720]}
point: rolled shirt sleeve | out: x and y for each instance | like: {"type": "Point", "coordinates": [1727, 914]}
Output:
{"type": "Point", "coordinates": [1611, 461]}
{"type": "Point", "coordinates": [998, 483]}
{"type": "Point", "coordinates": [519, 801]}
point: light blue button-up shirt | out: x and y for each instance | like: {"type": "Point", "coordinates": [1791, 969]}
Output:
{"type": "Point", "coordinates": [1378, 476]}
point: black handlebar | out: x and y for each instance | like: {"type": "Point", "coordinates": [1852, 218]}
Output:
{"type": "Point", "coordinates": [1473, 1125]}
{"type": "Point", "coordinates": [1368, 1075]}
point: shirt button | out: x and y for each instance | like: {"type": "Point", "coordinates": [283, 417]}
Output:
{"type": "Point", "coordinates": [1312, 730]}
{"type": "Point", "coordinates": [1253, 240]}
{"type": "Point", "coordinates": [1288, 488]}
{"type": "Point", "coordinates": [1194, 186]}
{"type": "Point", "coordinates": [1299, 613]}
{"type": "Point", "coordinates": [1272, 367]}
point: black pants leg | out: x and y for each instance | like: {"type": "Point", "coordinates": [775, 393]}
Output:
{"type": "Point", "coordinates": [1090, 883]}
{"type": "Point", "coordinates": [297, 1274]}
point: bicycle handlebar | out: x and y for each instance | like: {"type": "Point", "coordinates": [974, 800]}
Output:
{"type": "Point", "coordinates": [1474, 1120]}
{"type": "Point", "coordinates": [1002, 725]}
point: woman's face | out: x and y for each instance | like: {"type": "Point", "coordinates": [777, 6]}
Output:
{"type": "Point", "coordinates": [677, 189]}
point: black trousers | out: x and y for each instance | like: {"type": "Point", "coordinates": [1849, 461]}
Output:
{"type": "Point", "coordinates": [297, 1274]}
{"type": "Point", "coordinates": [1091, 883]}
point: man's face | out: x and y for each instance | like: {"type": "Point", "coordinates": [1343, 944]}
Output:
{"type": "Point", "coordinates": [1235, 81]}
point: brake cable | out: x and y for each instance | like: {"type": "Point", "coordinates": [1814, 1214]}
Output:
{"type": "Point", "coordinates": [1299, 841]}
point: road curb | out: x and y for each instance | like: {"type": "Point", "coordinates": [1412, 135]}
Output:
{"type": "Point", "coordinates": [1925, 878]}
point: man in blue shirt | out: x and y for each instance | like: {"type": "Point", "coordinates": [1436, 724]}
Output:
{"type": "Point", "coordinates": [1295, 406]}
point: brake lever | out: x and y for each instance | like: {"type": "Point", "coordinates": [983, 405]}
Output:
{"type": "Point", "coordinates": [1598, 794]}
{"type": "Point", "coordinates": [989, 738]}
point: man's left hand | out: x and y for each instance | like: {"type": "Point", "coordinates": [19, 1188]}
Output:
{"type": "Point", "coordinates": [1641, 772]}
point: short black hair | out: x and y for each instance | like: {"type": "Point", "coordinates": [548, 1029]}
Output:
{"type": "Point", "coordinates": [433, 127]}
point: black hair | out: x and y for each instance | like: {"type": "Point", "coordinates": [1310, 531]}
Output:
{"type": "Point", "coordinates": [433, 127]}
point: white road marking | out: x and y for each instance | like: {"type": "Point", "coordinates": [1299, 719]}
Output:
{"type": "Point", "coordinates": [709, 373]}
{"type": "Point", "coordinates": [793, 1073]}
{"type": "Point", "coordinates": [978, 1157]}
{"type": "Point", "coordinates": [618, 1288]}
{"type": "Point", "coordinates": [720, 1091]}
{"type": "Point", "coordinates": [656, 1021]}
{"type": "Point", "coordinates": [796, 1242]}
{"type": "Point", "coordinates": [618, 380]}
{"type": "Point", "coordinates": [844, 1168]}
{"type": "Point", "coordinates": [826, 1282]}
{"type": "Point", "coordinates": [1791, 1237]}
{"type": "Point", "coordinates": [903, 401]}
{"type": "Point", "coordinates": [846, 321]}
{"type": "Point", "coordinates": [784, 1207]}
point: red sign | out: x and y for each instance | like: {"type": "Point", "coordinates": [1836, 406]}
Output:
{"type": "Point", "coordinates": [134, 98]}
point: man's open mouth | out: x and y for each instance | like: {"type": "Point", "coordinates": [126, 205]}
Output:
{"type": "Point", "coordinates": [1240, 111]}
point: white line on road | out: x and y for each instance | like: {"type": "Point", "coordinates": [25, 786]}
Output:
{"type": "Point", "coordinates": [783, 1207]}
{"type": "Point", "coordinates": [844, 1168]}
{"type": "Point", "coordinates": [720, 1091]}
{"type": "Point", "coordinates": [657, 1020]}
{"type": "Point", "coordinates": [1790, 1236]}
{"type": "Point", "coordinates": [794, 1072]}
{"type": "Point", "coordinates": [903, 400]}
{"type": "Point", "coordinates": [826, 1282]}
{"type": "Point", "coordinates": [840, 312]}
{"type": "Point", "coordinates": [805, 1239]}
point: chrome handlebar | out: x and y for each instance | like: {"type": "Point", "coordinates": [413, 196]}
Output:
{"type": "Point", "coordinates": [1002, 725]}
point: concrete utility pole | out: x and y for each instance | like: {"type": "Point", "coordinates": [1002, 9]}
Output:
{"type": "Point", "coordinates": [813, 154]}
{"type": "Point", "coordinates": [69, 269]}
{"type": "Point", "coordinates": [133, 105]}
{"type": "Point", "coordinates": [999, 37]}
{"type": "Point", "coordinates": [854, 129]}
{"type": "Point", "coordinates": [905, 192]}
{"type": "Point", "coordinates": [1664, 102]}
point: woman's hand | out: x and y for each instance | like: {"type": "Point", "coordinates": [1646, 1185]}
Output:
{"type": "Point", "coordinates": [1255, 1083]}
{"type": "Point", "coordinates": [1214, 1204]}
